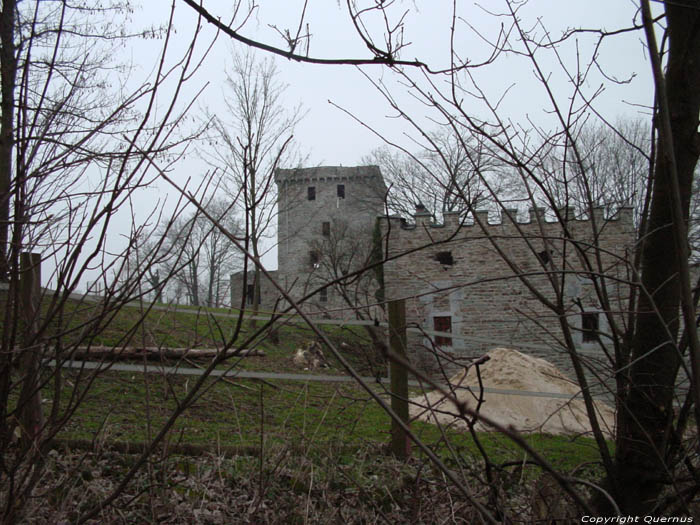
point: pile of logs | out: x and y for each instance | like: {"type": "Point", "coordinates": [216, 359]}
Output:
{"type": "Point", "coordinates": [157, 353]}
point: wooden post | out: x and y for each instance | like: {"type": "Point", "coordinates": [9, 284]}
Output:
{"type": "Point", "coordinates": [29, 402]}
{"type": "Point", "coordinates": [400, 443]}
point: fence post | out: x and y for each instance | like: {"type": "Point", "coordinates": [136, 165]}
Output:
{"type": "Point", "coordinates": [400, 443]}
{"type": "Point", "coordinates": [29, 402]}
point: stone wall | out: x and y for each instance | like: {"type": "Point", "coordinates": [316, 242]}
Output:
{"type": "Point", "coordinates": [485, 277]}
{"type": "Point", "coordinates": [326, 217]}
{"type": "Point", "coordinates": [240, 286]}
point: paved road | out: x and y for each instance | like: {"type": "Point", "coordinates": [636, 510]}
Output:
{"type": "Point", "coordinates": [272, 376]}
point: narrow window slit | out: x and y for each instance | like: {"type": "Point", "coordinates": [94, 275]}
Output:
{"type": "Point", "coordinates": [314, 259]}
{"type": "Point", "coordinates": [445, 258]}
{"type": "Point", "coordinates": [589, 326]}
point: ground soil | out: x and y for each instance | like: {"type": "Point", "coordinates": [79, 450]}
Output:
{"type": "Point", "coordinates": [511, 370]}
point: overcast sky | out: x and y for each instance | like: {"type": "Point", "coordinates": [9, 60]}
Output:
{"type": "Point", "coordinates": [330, 136]}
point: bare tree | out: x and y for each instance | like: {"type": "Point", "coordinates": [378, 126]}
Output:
{"type": "Point", "coordinates": [348, 273]}
{"type": "Point", "coordinates": [154, 280]}
{"type": "Point", "coordinates": [439, 175]}
{"type": "Point", "coordinates": [616, 163]}
{"type": "Point", "coordinates": [649, 342]}
{"type": "Point", "coordinates": [611, 171]}
{"type": "Point", "coordinates": [257, 139]}
{"type": "Point", "coordinates": [74, 153]}
{"type": "Point", "coordinates": [646, 422]}
{"type": "Point", "coordinates": [197, 255]}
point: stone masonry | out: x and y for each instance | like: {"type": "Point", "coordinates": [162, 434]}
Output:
{"type": "Point", "coordinates": [465, 281]}
{"type": "Point", "coordinates": [325, 222]}
{"type": "Point", "coordinates": [467, 277]}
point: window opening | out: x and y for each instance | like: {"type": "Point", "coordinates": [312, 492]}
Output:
{"type": "Point", "coordinates": [324, 295]}
{"type": "Point", "coordinates": [341, 191]}
{"type": "Point", "coordinates": [443, 324]}
{"type": "Point", "coordinates": [544, 256]}
{"type": "Point", "coordinates": [326, 228]}
{"type": "Point", "coordinates": [311, 193]}
{"type": "Point", "coordinates": [445, 258]}
{"type": "Point", "coordinates": [314, 259]}
{"type": "Point", "coordinates": [250, 293]}
{"type": "Point", "coordinates": [589, 326]}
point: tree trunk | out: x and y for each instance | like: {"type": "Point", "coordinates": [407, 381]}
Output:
{"type": "Point", "coordinates": [253, 210]}
{"type": "Point", "coordinates": [647, 413]}
{"type": "Point", "coordinates": [212, 276]}
{"type": "Point", "coordinates": [194, 285]}
{"type": "Point", "coordinates": [8, 74]}
{"type": "Point", "coordinates": [158, 287]}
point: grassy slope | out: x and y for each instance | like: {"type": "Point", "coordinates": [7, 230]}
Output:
{"type": "Point", "coordinates": [308, 416]}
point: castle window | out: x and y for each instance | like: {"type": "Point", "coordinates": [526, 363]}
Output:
{"type": "Point", "coordinates": [323, 297]}
{"type": "Point", "coordinates": [311, 193]}
{"type": "Point", "coordinates": [250, 294]}
{"type": "Point", "coordinates": [326, 229]}
{"type": "Point", "coordinates": [544, 256]}
{"type": "Point", "coordinates": [442, 323]}
{"type": "Point", "coordinates": [341, 191]}
{"type": "Point", "coordinates": [314, 259]}
{"type": "Point", "coordinates": [445, 258]}
{"type": "Point", "coordinates": [589, 326]}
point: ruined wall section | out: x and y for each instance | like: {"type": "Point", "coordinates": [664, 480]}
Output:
{"type": "Point", "coordinates": [269, 294]}
{"type": "Point", "coordinates": [480, 292]}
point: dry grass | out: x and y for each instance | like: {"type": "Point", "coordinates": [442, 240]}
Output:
{"type": "Point", "coordinates": [280, 488]}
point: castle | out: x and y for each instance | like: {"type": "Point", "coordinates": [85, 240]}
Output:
{"type": "Point", "coordinates": [508, 283]}
{"type": "Point", "coordinates": [325, 219]}
{"type": "Point", "coordinates": [479, 284]}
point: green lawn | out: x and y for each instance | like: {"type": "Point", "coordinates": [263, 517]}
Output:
{"type": "Point", "coordinates": [307, 417]}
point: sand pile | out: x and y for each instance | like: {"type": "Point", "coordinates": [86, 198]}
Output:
{"type": "Point", "coordinates": [510, 370]}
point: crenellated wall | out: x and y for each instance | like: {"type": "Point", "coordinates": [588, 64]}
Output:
{"type": "Point", "coordinates": [484, 272]}
{"type": "Point", "coordinates": [492, 274]}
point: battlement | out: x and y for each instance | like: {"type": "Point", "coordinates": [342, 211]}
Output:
{"type": "Point", "coordinates": [537, 219]}
{"type": "Point", "coordinates": [475, 278]}
{"type": "Point", "coordinates": [327, 174]}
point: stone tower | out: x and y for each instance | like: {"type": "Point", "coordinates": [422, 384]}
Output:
{"type": "Point", "coordinates": [326, 218]}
